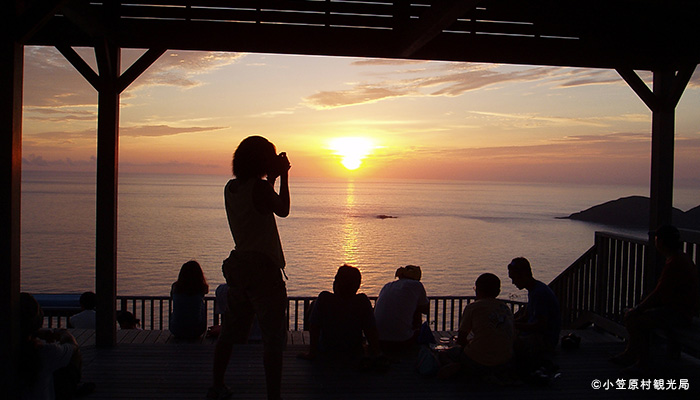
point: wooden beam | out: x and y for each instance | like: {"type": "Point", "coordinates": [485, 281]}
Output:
{"type": "Point", "coordinates": [431, 24]}
{"type": "Point", "coordinates": [11, 76]}
{"type": "Point", "coordinates": [35, 16]}
{"type": "Point", "coordinates": [680, 83]}
{"type": "Point", "coordinates": [80, 65]}
{"type": "Point", "coordinates": [138, 67]}
{"type": "Point", "coordinates": [639, 87]}
{"type": "Point", "coordinates": [353, 42]}
{"type": "Point", "coordinates": [81, 15]}
{"type": "Point", "coordinates": [109, 59]}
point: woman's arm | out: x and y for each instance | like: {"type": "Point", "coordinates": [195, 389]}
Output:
{"type": "Point", "coordinates": [266, 199]}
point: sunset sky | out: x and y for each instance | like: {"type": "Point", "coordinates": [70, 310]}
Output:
{"type": "Point", "coordinates": [431, 120]}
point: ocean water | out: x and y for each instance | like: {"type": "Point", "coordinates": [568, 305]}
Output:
{"type": "Point", "coordinates": [454, 230]}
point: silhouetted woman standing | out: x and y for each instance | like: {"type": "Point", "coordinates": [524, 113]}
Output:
{"type": "Point", "coordinates": [253, 271]}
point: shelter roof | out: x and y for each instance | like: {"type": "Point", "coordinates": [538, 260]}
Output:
{"type": "Point", "coordinates": [636, 34]}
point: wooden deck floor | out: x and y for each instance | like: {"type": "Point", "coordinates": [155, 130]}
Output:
{"type": "Point", "coordinates": [152, 365]}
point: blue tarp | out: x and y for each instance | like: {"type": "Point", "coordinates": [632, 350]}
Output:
{"type": "Point", "coordinates": [58, 301]}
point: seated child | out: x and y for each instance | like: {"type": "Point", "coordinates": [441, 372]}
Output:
{"type": "Point", "coordinates": [486, 331]}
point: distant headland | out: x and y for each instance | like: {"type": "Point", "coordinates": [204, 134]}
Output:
{"type": "Point", "coordinates": [633, 212]}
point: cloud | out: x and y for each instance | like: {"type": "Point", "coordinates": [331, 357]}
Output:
{"type": "Point", "coordinates": [386, 62]}
{"type": "Point", "coordinates": [450, 80]}
{"type": "Point", "coordinates": [32, 162]}
{"type": "Point", "coordinates": [164, 130]}
{"type": "Point", "coordinates": [456, 79]}
{"type": "Point", "coordinates": [69, 137]}
{"type": "Point", "coordinates": [170, 165]}
{"type": "Point", "coordinates": [271, 114]}
{"type": "Point", "coordinates": [531, 120]}
{"type": "Point", "coordinates": [614, 158]}
{"type": "Point", "coordinates": [361, 94]}
{"type": "Point", "coordinates": [61, 114]}
{"type": "Point", "coordinates": [51, 81]}
{"type": "Point", "coordinates": [180, 68]}
{"type": "Point", "coordinates": [583, 77]}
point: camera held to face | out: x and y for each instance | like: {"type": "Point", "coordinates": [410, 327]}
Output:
{"type": "Point", "coordinates": [279, 165]}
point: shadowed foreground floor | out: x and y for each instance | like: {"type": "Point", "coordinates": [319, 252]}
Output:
{"type": "Point", "coordinates": [175, 370]}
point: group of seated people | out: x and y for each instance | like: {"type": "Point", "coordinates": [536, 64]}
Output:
{"type": "Point", "coordinates": [489, 334]}
{"type": "Point", "coordinates": [344, 325]}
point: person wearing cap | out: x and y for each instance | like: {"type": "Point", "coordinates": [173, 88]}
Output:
{"type": "Point", "coordinates": [673, 302]}
{"type": "Point", "coordinates": [399, 308]}
{"type": "Point", "coordinates": [539, 325]}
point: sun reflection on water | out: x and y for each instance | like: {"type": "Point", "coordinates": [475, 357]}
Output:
{"type": "Point", "coordinates": [350, 228]}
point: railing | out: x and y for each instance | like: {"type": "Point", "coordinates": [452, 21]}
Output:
{"type": "Point", "coordinates": [611, 276]}
{"type": "Point", "coordinates": [154, 311]}
{"type": "Point", "coordinates": [608, 278]}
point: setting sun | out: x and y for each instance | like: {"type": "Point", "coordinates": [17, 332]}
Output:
{"type": "Point", "coordinates": [352, 150]}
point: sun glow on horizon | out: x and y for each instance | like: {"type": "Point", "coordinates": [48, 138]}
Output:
{"type": "Point", "coordinates": [352, 150]}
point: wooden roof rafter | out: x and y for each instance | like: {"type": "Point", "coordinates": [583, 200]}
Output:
{"type": "Point", "coordinates": [633, 34]}
{"type": "Point", "coordinates": [432, 23]}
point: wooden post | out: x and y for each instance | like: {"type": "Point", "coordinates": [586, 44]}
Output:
{"type": "Point", "coordinates": [109, 84]}
{"type": "Point", "coordinates": [11, 75]}
{"type": "Point", "coordinates": [662, 140]}
{"type": "Point", "coordinates": [661, 183]}
{"type": "Point", "coordinates": [669, 85]}
{"type": "Point", "coordinates": [109, 63]}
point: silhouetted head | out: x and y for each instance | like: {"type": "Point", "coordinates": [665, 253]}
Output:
{"type": "Point", "coordinates": [409, 272]}
{"type": "Point", "coordinates": [253, 158]}
{"type": "Point", "coordinates": [347, 281]}
{"type": "Point", "coordinates": [127, 320]}
{"type": "Point", "coordinates": [668, 239]}
{"type": "Point", "coordinates": [520, 272]}
{"type": "Point", "coordinates": [88, 300]}
{"type": "Point", "coordinates": [487, 285]}
{"type": "Point", "coordinates": [31, 317]}
{"type": "Point", "coordinates": [191, 279]}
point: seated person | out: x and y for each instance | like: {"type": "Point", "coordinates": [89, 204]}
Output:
{"type": "Point", "coordinates": [127, 320]}
{"type": "Point", "coordinates": [86, 318]}
{"type": "Point", "coordinates": [673, 302]}
{"type": "Point", "coordinates": [399, 308]}
{"type": "Point", "coordinates": [538, 326]}
{"type": "Point", "coordinates": [338, 319]}
{"type": "Point", "coordinates": [188, 319]}
{"type": "Point", "coordinates": [50, 360]}
{"type": "Point", "coordinates": [486, 331]}
{"type": "Point", "coordinates": [221, 305]}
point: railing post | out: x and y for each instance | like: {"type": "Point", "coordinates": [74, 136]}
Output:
{"type": "Point", "coordinates": [601, 271]}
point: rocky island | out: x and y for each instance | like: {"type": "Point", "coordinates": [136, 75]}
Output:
{"type": "Point", "coordinates": [633, 212]}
